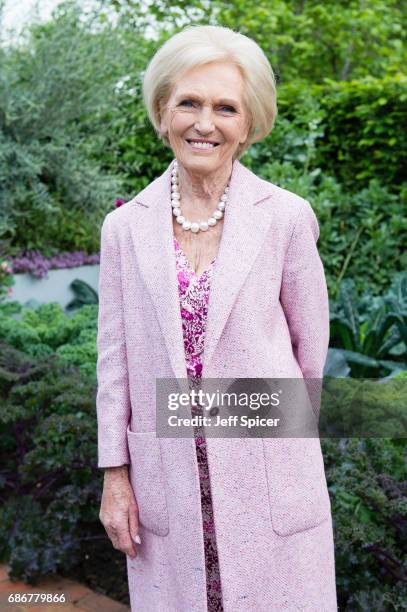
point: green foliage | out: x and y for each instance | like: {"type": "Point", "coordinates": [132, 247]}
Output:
{"type": "Point", "coordinates": [364, 139]}
{"type": "Point", "coordinates": [84, 294]}
{"type": "Point", "coordinates": [53, 92]}
{"type": "Point", "coordinates": [50, 486]}
{"type": "Point", "coordinates": [371, 331]}
{"type": "Point", "coordinates": [314, 40]}
{"type": "Point", "coordinates": [359, 127]}
{"type": "Point", "coordinates": [48, 330]}
{"type": "Point", "coordinates": [309, 40]}
{"type": "Point", "coordinates": [364, 407]}
{"type": "Point", "coordinates": [367, 483]}
{"type": "Point", "coordinates": [132, 148]}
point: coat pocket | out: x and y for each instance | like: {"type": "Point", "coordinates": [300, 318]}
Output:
{"type": "Point", "coordinates": [298, 492]}
{"type": "Point", "coordinates": [147, 480]}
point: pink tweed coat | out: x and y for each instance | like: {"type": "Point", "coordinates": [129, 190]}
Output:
{"type": "Point", "coordinates": [268, 316]}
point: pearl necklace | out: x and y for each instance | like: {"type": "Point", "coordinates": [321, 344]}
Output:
{"type": "Point", "coordinates": [176, 207]}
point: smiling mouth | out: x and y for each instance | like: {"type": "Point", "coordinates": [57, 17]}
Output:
{"type": "Point", "coordinates": [204, 145]}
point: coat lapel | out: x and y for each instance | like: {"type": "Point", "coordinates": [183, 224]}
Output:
{"type": "Point", "coordinates": [245, 227]}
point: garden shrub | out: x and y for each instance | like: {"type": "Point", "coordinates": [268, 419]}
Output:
{"type": "Point", "coordinates": [361, 127]}
{"type": "Point", "coordinates": [47, 330]}
{"type": "Point", "coordinates": [53, 193]}
{"type": "Point", "coordinates": [364, 139]}
{"type": "Point", "coordinates": [50, 486]}
{"type": "Point", "coordinates": [368, 489]}
{"type": "Point", "coordinates": [369, 330]}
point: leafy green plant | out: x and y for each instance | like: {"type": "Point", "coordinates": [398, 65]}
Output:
{"type": "Point", "coordinates": [363, 139]}
{"type": "Point", "coordinates": [50, 485]}
{"type": "Point", "coordinates": [371, 332]}
{"type": "Point", "coordinates": [84, 294]}
{"type": "Point", "coordinates": [47, 329]}
{"type": "Point", "coordinates": [363, 407]}
{"type": "Point", "coordinates": [368, 489]}
{"type": "Point", "coordinates": [52, 93]}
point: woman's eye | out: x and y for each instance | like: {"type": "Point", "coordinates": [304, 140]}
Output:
{"type": "Point", "coordinates": [226, 108]}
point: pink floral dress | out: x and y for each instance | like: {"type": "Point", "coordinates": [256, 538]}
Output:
{"type": "Point", "coordinates": [194, 295]}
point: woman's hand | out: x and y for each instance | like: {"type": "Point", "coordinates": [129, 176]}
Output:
{"type": "Point", "coordinates": [119, 510]}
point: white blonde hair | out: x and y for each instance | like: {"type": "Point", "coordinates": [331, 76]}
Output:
{"type": "Point", "coordinates": [197, 45]}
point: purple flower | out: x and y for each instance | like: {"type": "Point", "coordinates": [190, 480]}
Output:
{"type": "Point", "coordinates": [38, 265]}
{"type": "Point", "coordinates": [119, 202]}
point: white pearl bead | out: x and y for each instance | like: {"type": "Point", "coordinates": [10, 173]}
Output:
{"type": "Point", "coordinates": [176, 201]}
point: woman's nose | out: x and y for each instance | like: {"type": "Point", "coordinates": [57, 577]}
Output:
{"type": "Point", "coordinates": [204, 122]}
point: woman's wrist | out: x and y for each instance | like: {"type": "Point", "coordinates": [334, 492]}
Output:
{"type": "Point", "coordinates": [119, 472]}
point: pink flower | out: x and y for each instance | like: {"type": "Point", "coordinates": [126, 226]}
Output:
{"type": "Point", "coordinates": [6, 267]}
{"type": "Point", "coordinates": [119, 202]}
{"type": "Point", "coordinates": [9, 290]}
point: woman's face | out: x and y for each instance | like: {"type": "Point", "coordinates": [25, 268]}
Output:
{"type": "Point", "coordinates": [206, 103]}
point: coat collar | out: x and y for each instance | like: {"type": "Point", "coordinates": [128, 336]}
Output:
{"type": "Point", "coordinates": [245, 227]}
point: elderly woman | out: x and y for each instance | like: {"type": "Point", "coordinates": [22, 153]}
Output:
{"type": "Point", "coordinates": [211, 271]}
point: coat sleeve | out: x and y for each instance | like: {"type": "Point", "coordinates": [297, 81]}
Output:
{"type": "Point", "coordinates": [112, 398]}
{"type": "Point", "coordinates": [304, 298]}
